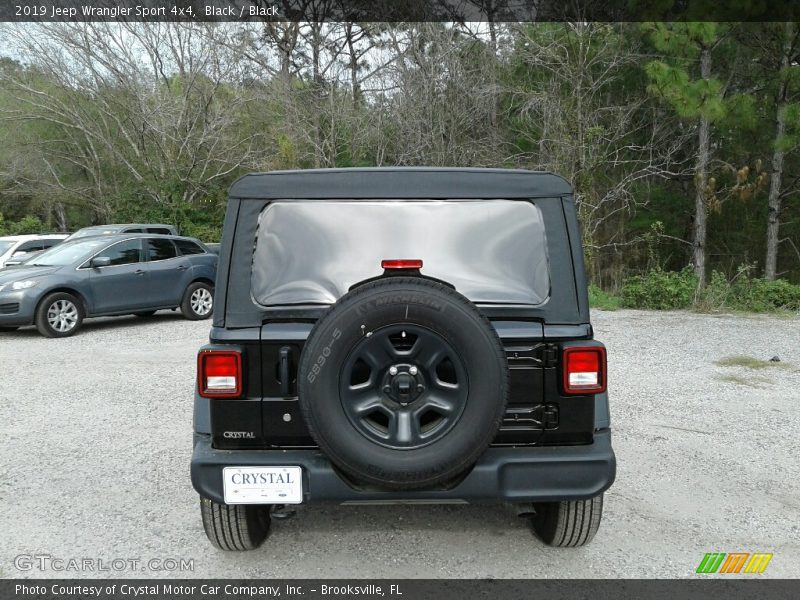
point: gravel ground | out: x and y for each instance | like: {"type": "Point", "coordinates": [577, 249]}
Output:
{"type": "Point", "coordinates": [96, 436]}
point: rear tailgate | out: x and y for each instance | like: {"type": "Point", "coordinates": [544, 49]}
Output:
{"type": "Point", "coordinates": [269, 415]}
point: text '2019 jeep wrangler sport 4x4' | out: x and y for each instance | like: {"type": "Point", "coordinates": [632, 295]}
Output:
{"type": "Point", "coordinates": [401, 335]}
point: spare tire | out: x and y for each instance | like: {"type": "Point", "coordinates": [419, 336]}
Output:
{"type": "Point", "coordinates": [403, 383]}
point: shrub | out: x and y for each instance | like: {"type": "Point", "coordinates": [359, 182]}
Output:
{"type": "Point", "coordinates": [602, 299]}
{"type": "Point", "coordinates": [27, 224]}
{"type": "Point", "coordinates": [661, 290]}
{"type": "Point", "coordinates": [717, 295]}
{"type": "Point", "coordinates": [760, 295]}
{"type": "Point", "coordinates": [205, 233]}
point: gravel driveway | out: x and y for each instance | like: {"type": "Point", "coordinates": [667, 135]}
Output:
{"type": "Point", "coordinates": [96, 440]}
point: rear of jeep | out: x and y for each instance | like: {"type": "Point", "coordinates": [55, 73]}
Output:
{"type": "Point", "coordinates": [401, 335]}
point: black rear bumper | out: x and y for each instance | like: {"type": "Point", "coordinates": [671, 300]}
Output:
{"type": "Point", "coordinates": [529, 474]}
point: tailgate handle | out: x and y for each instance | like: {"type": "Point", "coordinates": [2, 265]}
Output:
{"type": "Point", "coordinates": [285, 364]}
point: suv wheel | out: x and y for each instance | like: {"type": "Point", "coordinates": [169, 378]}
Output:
{"type": "Point", "coordinates": [59, 315]}
{"type": "Point", "coordinates": [403, 383]}
{"type": "Point", "coordinates": [571, 523]}
{"type": "Point", "coordinates": [198, 301]}
{"type": "Point", "coordinates": [235, 527]}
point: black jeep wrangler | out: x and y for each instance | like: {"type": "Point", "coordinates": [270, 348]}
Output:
{"type": "Point", "coordinates": [401, 335]}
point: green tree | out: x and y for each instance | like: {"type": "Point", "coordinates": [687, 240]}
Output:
{"type": "Point", "coordinates": [685, 80]}
{"type": "Point", "coordinates": [578, 106]}
{"type": "Point", "coordinates": [787, 129]}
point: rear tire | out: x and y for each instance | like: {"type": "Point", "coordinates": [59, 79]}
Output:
{"type": "Point", "coordinates": [235, 528]}
{"type": "Point", "coordinates": [198, 301]}
{"type": "Point", "coordinates": [567, 524]}
{"type": "Point", "coordinates": [59, 315]}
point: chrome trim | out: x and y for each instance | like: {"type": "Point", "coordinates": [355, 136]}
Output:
{"type": "Point", "coordinates": [143, 237]}
{"type": "Point", "coordinates": [163, 259]}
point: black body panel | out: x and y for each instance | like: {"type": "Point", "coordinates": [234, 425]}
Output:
{"type": "Point", "coordinates": [537, 474]}
{"type": "Point", "coordinates": [537, 412]}
{"type": "Point", "coordinates": [400, 182]}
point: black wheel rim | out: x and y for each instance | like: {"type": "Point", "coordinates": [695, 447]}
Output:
{"type": "Point", "coordinates": [403, 387]}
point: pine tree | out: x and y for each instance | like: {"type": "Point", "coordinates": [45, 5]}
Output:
{"type": "Point", "coordinates": [685, 81]}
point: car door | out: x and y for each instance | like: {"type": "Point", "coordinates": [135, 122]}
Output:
{"type": "Point", "coordinates": [124, 284]}
{"type": "Point", "coordinates": [167, 270]}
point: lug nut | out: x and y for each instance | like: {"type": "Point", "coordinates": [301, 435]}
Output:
{"type": "Point", "coordinates": [392, 370]}
{"type": "Point", "coordinates": [413, 370]}
{"type": "Point", "coordinates": [386, 389]}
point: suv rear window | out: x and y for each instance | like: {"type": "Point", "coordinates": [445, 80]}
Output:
{"type": "Point", "coordinates": [161, 249]}
{"type": "Point", "coordinates": [312, 252]}
{"type": "Point", "coordinates": [186, 248]}
{"type": "Point", "coordinates": [29, 246]}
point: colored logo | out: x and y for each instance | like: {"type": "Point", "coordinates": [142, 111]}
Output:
{"type": "Point", "coordinates": [735, 562]}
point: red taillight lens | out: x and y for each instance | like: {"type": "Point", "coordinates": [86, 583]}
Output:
{"type": "Point", "coordinates": [401, 263]}
{"type": "Point", "coordinates": [584, 369]}
{"type": "Point", "coordinates": [219, 373]}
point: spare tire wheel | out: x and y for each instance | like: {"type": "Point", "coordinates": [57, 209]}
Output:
{"type": "Point", "coordinates": [403, 383]}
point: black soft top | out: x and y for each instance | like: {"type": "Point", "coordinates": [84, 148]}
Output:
{"type": "Point", "coordinates": [400, 182]}
{"type": "Point", "coordinates": [567, 303]}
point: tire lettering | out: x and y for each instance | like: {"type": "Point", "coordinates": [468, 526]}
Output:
{"type": "Point", "coordinates": [432, 303]}
{"type": "Point", "coordinates": [316, 368]}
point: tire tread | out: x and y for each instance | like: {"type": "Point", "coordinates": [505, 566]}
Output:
{"type": "Point", "coordinates": [234, 528]}
{"type": "Point", "coordinates": [570, 523]}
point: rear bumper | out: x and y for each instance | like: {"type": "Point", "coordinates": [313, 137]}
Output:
{"type": "Point", "coordinates": [535, 474]}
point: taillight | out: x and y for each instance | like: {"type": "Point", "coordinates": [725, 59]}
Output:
{"type": "Point", "coordinates": [401, 263]}
{"type": "Point", "coordinates": [584, 369]}
{"type": "Point", "coordinates": [219, 373]}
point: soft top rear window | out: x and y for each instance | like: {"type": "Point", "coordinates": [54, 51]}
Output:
{"type": "Point", "coordinates": [312, 252]}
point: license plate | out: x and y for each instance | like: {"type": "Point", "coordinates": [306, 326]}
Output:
{"type": "Point", "coordinates": [262, 485]}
